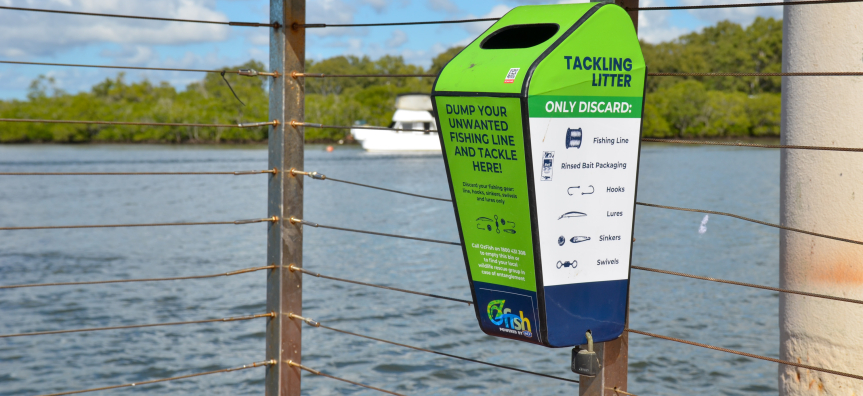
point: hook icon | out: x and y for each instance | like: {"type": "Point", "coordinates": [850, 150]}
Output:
{"type": "Point", "coordinates": [591, 190]}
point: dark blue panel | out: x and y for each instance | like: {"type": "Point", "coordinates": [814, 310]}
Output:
{"type": "Point", "coordinates": [507, 312]}
{"type": "Point", "coordinates": [571, 310]}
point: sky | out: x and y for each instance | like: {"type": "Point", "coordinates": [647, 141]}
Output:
{"type": "Point", "coordinates": [56, 38]}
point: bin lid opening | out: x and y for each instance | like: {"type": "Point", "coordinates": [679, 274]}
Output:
{"type": "Point", "coordinates": [520, 36]}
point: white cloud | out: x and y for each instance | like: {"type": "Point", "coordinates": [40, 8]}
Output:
{"type": "Point", "coordinates": [397, 39]}
{"type": "Point", "coordinates": [655, 26]}
{"type": "Point", "coordinates": [331, 12]}
{"type": "Point", "coordinates": [446, 6]}
{"type": "Point", "coordinates": [743, 16]}
{"type": "Point", "coordinates": [378, 5]}
{"type": "Point", "coordinates": [477, 28]}
{"type": "Point", "coordinates": [33, 34]}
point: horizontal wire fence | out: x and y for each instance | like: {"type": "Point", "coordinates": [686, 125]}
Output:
{"type": "Point", "coordinates": [142, 383]}
{"type": "Point", "coordinates": [247, 24]}
{"type": "Point", "coordinates": [671, 141]}
{"type": "Point", "coordinates": [231, 273]}
{"type": "Point", "coordinates": [317, 275]}
{"type": "Point", "coordinates": [316, 372]}
{"type": "Point", "coordinates": [741, 5]}
{"type": "Point", "coordinates": [137, 123]}
{"type": "Point", "coordinates": [139, 326]}
{"type": "Point", "coordinates": [235, 173]}
{"type": "Point", "coordinates": [314, 323]}
{"type": "Point", "coordinates": [309, 223]}
{"type": "Point", "coordinates": [61, 227]}
{"type": "Point", "coordinates": [244, 72]}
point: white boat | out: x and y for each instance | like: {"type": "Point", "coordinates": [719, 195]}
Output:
{"type": "Point", "coordinates": [413, 111]}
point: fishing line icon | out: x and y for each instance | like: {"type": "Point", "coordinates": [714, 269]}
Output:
{"type": "Point", "coordinates": [485, 223]}
{"type": "Point", "coordinates": [569, 190]}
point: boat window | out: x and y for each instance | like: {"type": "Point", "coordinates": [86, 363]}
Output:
{"type": "Point", "coordinates": [426, 126]}
{"type": "Point", "coordinates": [520, 36]}
{"type": "Point", "coordinates": [407, 125]}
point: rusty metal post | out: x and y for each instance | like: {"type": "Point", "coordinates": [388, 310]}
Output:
{"type": "Point", "coordinates": [613, 355]}
{"type": "Point", "coordinates": [285, 196]}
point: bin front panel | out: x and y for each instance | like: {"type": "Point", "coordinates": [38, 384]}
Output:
{"type": "Point", "coordinates": [585, 104]}
{"type": "Point", "coordinates": [484, 151]}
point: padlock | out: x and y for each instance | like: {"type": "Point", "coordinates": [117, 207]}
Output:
{"type": "Point", "coordinates": [585, 362]}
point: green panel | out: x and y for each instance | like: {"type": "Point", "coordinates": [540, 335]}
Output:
{"type": "Point", "coordinates": [556, 106]}
{"type": "Point", "coordinates": [608, 39]}
{"type": "Point", "coordinates": [485, 154]}
{"type": "Point", "coordinates": [480, 70]}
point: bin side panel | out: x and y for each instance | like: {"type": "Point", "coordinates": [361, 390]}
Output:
{"type": "Point", "coordinates": [484, 154]}
{"type": "Point", "coordinates": [479, 70]}
{"type": "Point", "coordinates": [585, 128]}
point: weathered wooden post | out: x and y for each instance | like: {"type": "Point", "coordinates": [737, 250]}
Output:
{"type": "Point", "coordinates": [818, 193]}
{"type": "Point", "coordinates": [285, 196]}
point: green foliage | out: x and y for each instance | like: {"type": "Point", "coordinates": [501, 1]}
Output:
{"type": "Point", "coordinates": [345, 101]}
{"type": "Point", "coordinates": [692, 107]}
{"type": "Point", "coordinates": [205, 102]}
{"type": "Point", "coordinates": [701, 107]}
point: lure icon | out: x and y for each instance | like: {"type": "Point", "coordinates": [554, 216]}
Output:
{"type": "Point", "coordinates": [567, 264]}
{"type": "Point", "coordinates": [571, 214]}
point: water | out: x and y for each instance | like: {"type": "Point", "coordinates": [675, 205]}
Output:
{"type": "Point", "coordinates": [738, 180]}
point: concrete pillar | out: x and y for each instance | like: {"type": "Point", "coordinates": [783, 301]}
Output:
{"type": "Point", "coordinates": [822, 192]}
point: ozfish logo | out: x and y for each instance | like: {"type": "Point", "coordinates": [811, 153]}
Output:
{"type": "Point", "coordinates": [509, 322]}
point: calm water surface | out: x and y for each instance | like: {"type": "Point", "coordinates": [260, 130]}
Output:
{"type": "Point", "coordinates": [738, 180]}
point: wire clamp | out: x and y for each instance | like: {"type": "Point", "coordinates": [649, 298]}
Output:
{"type": "Point", "coordinates": [310, 321]}
{"type": "Point", "coordinates": [295, 220]}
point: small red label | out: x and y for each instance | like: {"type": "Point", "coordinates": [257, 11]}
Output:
{"type": "Point", "coordinates": [510, 76]}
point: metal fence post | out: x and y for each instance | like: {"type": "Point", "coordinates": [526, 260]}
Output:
{"type": "Point", "coordinates": [285, 196]}
{"type": "Point", "coordinates": [613, 355]}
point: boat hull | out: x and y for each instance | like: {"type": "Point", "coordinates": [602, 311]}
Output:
{"type": "Point", "coordinates": [384, 140]}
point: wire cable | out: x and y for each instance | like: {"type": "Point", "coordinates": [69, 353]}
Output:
{"type": "Point", "coordinates": [238, 272]}
{"type": "Point", "coordinates": [269, 219]}
{"type": "Point", "coordinates": [326, 25]}
{"type": "Point", "coordinates": [676, 141]}
{"type": "Point", "coordinates": [313, 125]}
{"type": "Point", "coordinates": [324, 75]}
{"type": "Point", "coordinates": [321, 176]}
{"type": "Point", "coordinates": [295, 220]}
{"type": "Point", "coordinates": [227, 370]}
{"type": "Point", "coordinates": [237, 173]}
{"type": "Point", "coordinates": [244, 125]}
{"type": "Point", "coordinates": [749, 355]}
{"type": "Point", "coordinates": [314, 323]}
{"type": "Point", "coordinates": [740, 5]}
{"type": "Point", "coordinates": [776, 289]}
{"type": "Point", "coordinates": [752, 220]}
{"type": "Point", "coordinates": [316, 372]}
{"type": "Point", "coordinates": [236, 319]}
{"type": "Point", "coordinates": [248, 24]}
{"type": "Point", "coordinates": [741, 144]}
{"type": "Point", "coordinates": [315, 274]}
{"type": "Point", "coordinates": [242, 72]}
{"type": "Point", "coordinates": [787, 74]}
{"type": "Point", "coordinates": [660, 74]}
